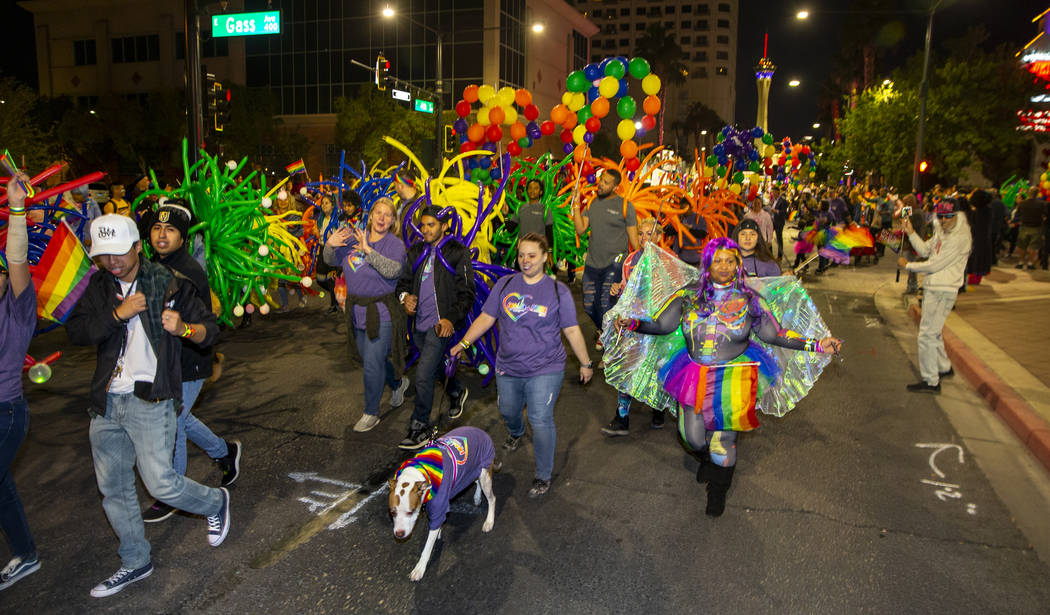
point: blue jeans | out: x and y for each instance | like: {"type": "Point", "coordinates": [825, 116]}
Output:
{"type": "Point", "coordinates": [189, 426]}
{"type": "Point", "coordinates": [14, 425]}
{"type": "Point", "coordinates": [139, 433]}
{"type": "Point", "coordinates": [429, 368]}
{"type": "Point", "coordinates": [539, 393]}
{"type": "Point", "coordinates": [377, 369]}
{"type": "Point", "coordinates": [596, 284]}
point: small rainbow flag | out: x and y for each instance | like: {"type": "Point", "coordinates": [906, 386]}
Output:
{"type": "Point", "coordinates": [296, 167]}
{"type": "Point", "coordinates": [62, 274]}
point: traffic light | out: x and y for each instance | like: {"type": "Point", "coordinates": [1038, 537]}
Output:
{"type": "Point", "coordinates": [923, 166]}
{"type": "Point", "coordinates": [209, 93]}
{"type": "Point", "coordinates": [222, 107]}
{"type": "Point", "coordinates": [450, 139]}
{"type": "Point", "coordinates": [382, 71]}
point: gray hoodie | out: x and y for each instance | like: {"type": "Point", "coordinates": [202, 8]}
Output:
{"type": "Point", "coordinates": [946, 253]}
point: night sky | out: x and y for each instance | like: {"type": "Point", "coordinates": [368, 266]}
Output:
{"type": "Point", "coordinates": [806, 50]}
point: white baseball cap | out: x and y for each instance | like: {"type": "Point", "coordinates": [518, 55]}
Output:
{"type": "Point", "coordinates": [112, 234]}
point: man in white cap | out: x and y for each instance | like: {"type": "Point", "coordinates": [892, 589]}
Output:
{"type": "Point", "coordinates": [136, 311]}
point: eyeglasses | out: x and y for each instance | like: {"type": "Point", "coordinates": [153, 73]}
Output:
{"type": "Point", "coordinates": [943, 216]}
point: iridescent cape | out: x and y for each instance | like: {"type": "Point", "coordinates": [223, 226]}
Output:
{"type": "Point", "coordinates": [632, 360]}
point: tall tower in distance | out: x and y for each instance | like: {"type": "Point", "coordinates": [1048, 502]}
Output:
{"type": "Point", "coordinates": [763, 78]}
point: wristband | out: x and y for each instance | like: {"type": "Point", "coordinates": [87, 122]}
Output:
{"type": "Point", "coordinates": [117, 316]}
{"type": "Point", "coordinates": [464, 344]}
{"type": "Point", "coordinates": [812, 346]}
{"type": "Point", "coordinates": [17, 211]}
{"type": "Point", "coordinates": [631, 326]}
{"type": "Point", "coordinates": [188, 332]}
{"type": "Point", "coordinates": [589, 365]}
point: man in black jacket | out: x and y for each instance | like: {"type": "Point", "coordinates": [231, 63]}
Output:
{"type": "Point", "coordinates": [168, 227]}
{"type": "Point", "coordinates": [439, 291]}
{"type": "Point", "coordinates": [135, 311]}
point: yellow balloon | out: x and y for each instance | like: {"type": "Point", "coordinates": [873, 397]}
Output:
{"type": "Point", "coordinates": [770, 151]}
{"type": "Point", "coordinates": [510, 115]}
{"type": "Point", "coordinates": [577, 102]}
{"type": "Point", "coordinates": [485, 94]}
{"type": "Point", "coordinates": [566, 98]}
{"type": "Point", "coordinates": [578, 132]}
{"type": "Point", "coordinates": [609, 86]}
{"type": "Point", "coordinates": [483, 116]}
{"type": "Point", "coordinates": [1046, 185]}
{"type": "Point", "coordinates": [650, 85]}
{"type": "Point", "coordinates": [505, 96]}
{"type": "Point", "coordinates": [709, 171]}
{"type": "Point", "coordinates": [625, 129]}
{"type": "Point", "coordinates": [812, 174]}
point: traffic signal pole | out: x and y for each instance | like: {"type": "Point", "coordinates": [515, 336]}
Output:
{"type": "Point", "coordinates": [194, 95]}
{"type": "Point", "coordinates": [439, 132]}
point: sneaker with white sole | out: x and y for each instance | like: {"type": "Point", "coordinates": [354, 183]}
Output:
{"type": "Point", "coordinates": [219, 523]}
{"type": "Point", "coordinates": [230, 465]}
{"type": "Point", "coordinates": [398, 396]}
{"type": "Point", "coordinates": [159, 511]}
{"type": "Point", "coordinates": [458, 404]}
{"type": "Point", "coordinates": [18, 568]}
{"type": "Point", "coordinates": [366, 422]}
{"type": "Point", "coordinates": [121, 579]}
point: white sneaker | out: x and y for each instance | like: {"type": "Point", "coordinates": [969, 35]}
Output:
{"type": "Point", "coordinates": [398, 396]}
{"type": "Point", "coordinates": [366, 422]}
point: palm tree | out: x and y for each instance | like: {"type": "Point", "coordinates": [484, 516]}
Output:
{"type": "Point", "coordinates": [659, 47]}
{"type": "Point", "coordinates": [698, 117]}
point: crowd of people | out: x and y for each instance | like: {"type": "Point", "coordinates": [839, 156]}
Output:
{"type": "Point", "coordinates": [152, 324]}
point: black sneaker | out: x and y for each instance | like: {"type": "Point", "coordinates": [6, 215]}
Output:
{"type": "Point", "coordinates": [512, 443]}
{"type": "Point", "coordinates": [416, 439]}
{"type": "Point", "coordinates": [618, 426]}
{"type": "Point", "coordinates": [658, 420]}
{"type": "Point", "coordinates": [231, 463]}
{"type": "Point", "coordinates": [539, 487]}
{"type": "Point", "coordinates": [219, 523]}
{"type": "Point", "coordinates": [922, 387]}
{"type": "Point", "coordinates": [947, 374]}
{"type": "Point", "coordinates": [121, 579]}
{"type": "Point", "coordinates": [458, 404]}
{"type": "Point", "coordinates": [158, 512]}
{"type": "Point", "coordinates": [17, 569]}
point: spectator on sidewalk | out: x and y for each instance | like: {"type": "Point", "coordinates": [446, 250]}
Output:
{"type": "Point", "coordinates": [1031, 214]}
{"type": "Point", "coordinates": [135, 311]}
{"type": "Point", "coordinates": [765, 221]}
{"type": "Point", "coordinates": [980, 219]}
{"type": "Point", "coordinates": [781, 208]}
{"type": "Point", "coordinates": [947, 252]}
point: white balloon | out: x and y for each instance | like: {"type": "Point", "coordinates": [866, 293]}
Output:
{"type": "Point", "coordinates": [264, 250]}
{"type": "Point", "coordinates": [264, 309]}
{"type": "Point", "coordinates": [238, 311]}
{"type": "Point", "coordinates": [282, 194]}
{"type": "Point", "coordinates": [267, 202]}
{"type": "Point", "coordinates": [231, 164]}
{"type": "Point", "coordinates": [302, 191]}
{"type": "Point", "coordinates": [307, 281]}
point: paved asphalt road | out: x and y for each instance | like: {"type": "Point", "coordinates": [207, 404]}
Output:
{"type": "Point", "coordinates": [828, 513]}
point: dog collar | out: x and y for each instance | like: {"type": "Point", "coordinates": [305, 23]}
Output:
{"type": "Point", "coordinates": [429, 463]}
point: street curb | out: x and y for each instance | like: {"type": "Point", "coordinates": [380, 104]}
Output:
{"type": "Point", "coordinates": [1032, 429]}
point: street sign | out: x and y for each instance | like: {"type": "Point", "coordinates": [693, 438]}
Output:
{"type": "Point", "coordinates": [246, 24]}
{"type": "Point", "coordinates": [401, 95]}
{"type": "Point", "coordinates": [425, 106]}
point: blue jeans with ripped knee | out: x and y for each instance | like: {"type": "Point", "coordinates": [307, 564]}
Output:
{"type": "Point", "coordinates": [597, 300]}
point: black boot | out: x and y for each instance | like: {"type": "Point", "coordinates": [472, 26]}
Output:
{"type": "Point", "coordinates": [721, 478]}
{"type": "Point", "coordinates": [703, 471]}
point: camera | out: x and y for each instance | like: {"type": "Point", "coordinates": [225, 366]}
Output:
{"type": "Point", "coordinates": [906, 211]}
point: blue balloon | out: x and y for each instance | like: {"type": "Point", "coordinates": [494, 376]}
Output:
{"type": "Point", "coordinates": [623, 89]}
{"type": "Point", "coordinates": [752, 155]}
{"type": "Point", "coordinates": [485, 162]}
{"type": "Point", "coordinates": [603, 64]}
{"type": "Point", "coordinates": [460, 126]}
{"type": "Point", "coordinates": [472, 162]}
{"type": "Point", "coordinates": [757, 132]}
{"type": "Point", "coordinates": [589, 136]}
{"type": "Point", "coordinates": [592, 72]}
{"type": "Point", "coordinates": [592, 94]}
{"type": "Point", "coordinates": [726, 130]}
{"type": "Point", "coordinates": [567, 148]}
{"type": "Point", "coordinates": [462, 138]}
{"type": "Point", "coordinates": [494, 173]}
{"type": "Point", "coordinates": [718, 150]}
{"type": "Point", "coordinates": [534, 131]}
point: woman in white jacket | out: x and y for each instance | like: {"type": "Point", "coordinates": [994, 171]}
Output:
{"type": "Point", "coordinates": [945, 265]}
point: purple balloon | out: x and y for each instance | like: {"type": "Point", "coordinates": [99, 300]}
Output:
{"type": "Point", "coordinates": [567, 148]}
{"type": "Point", "coordinates": [460, 126]}
{"type": "Point", "coordinates": [588, 137]}
{"type": "Point", "coordinates": [630, 176]}
{"type": "Point", "coordinates": [534, 132]}
{"type": "Point", "coordinates": [592, 178]}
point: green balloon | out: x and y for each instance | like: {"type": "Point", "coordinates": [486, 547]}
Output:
{"type": "Point", "coordinates": [721, 137]}
{"type": "Point", "coordinates": [614, 69]}
{"type": "Point", "coordinates": [721, 171]}
{"type": "Point", "coordinates": [524, 142]}
{"type": "Point", "coordinates": [738, 177]}
{"type": "Point", "coordinates": [625, 107]}
{"type": "Point", "coordinates": [754, 167]}
{"type": "Point", "coordinates": [576, 81]}
{"type": "Point", "coordinates": [712, 160]}
{"type": "Point", "coordinates": [638, 67]}
{"type": "Point", "coordinates": [767, 139]}
{"type": "Point", "coordinates": [583, 114]}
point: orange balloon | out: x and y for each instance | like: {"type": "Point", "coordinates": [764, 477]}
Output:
{"type": "Point", "coordinates": [580, 152]}
{"type": "Point", "coordinates": [570, 122]}
{"type": "Point", "coordinates": [523, 97]}
{"type": "Point", "coordinates": [470, 94]}
{"type": "Point", "coordinates": [600, 107]}
{"type": "Point", "coordinates": [651, 105]}
{"type": "Point", "coordinates": [496, 115]}
{"type": "Point", "coordinates": [628, 149]}
{"type": "Point", "coordinates": [476, 133]}
{"type": "Point", "coordinates": [517, 130]}
{"type": "Point", "coordinates": [559, 113]}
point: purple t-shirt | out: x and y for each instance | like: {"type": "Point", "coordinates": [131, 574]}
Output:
{"type": "Point", "coordinates": [465, 452]}
{"type": "Point", "coordinates": [17, 322]}
{"type": "Point", "coordinates": [530, 317]}
{"type": "Point", "coordinates": [759, 268]}
{"type": "Point", "coordinates": [362, 280]}
{"type": "Point", "coordinates": [426, 308]}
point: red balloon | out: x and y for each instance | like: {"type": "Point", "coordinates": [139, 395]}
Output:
{"type": "Point", "coordinates": [587, 168]}
{"type": "Point", "coordinates": [566, 136]}
{"type": "Point", "coordinates": [513, 149]}
{"type": "Point", "coordinates": [462, 108]}
{"type": "Point", "coordinates": [592, 124]}
{"type": "Point", "coordinates": [494, 133]}
{"type": "Point", "coordinates": [649, 122]}
{"type": "Point", "coordinates": [531, 112]}
{"type": "Point", "coordinates": [632, 164]}
{"type": "Point", "coordinates": [547, 127]}
{"type": "Point", "coordinates": [467, 146]}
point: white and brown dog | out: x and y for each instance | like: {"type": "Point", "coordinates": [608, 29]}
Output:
{"type": "Point", "coordinates": [436, 474]}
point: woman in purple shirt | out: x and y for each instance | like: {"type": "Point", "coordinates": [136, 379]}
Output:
{"type": "Point", "coordinates": [17, 321]}
{"type": "Point", "coordinates": [531, 310]}
{"type": "Point", "coordinates": [371, 261]}
{"type": "Point", "coordinates": [758, 259]}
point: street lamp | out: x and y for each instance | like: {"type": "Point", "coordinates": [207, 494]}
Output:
{"type": "Point", "coordinates": [388, 12]}
{"type": "Point", "coordinates": [794, 83]}
{"type": "Point", "coordinates": [703, 132]}
{"type": "Point", "coordinates": [803, 14]}
{"type": "Point", "coordinates": [922, 99]}
{"type": "Point", "coordinates": [537, 27]}
{"type": "Point", "coordinates": [816, 124]}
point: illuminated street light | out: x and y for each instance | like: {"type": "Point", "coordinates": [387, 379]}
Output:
{"type": "Point", "coordinates": [887, 82]}
{"type": "Point", "coordinates": [703, 132]}
{"type": "Point", "coordinates": [803, 14]}
{"type": "Point", "coordinates": [537, 27]}
{"type": "Point", "coordinates": [794, 83]}
{"type": "Point", "coordinates": [388, 12]}
{"type": "Point", "coordinates": [816, 124]}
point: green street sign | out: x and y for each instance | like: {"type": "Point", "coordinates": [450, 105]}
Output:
{"type": "Point", "coordinates": [425, 106]}
{"type": "Point", "coordinates": [246, 24]}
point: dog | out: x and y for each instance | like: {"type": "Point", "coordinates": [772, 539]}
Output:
{"type": "Point", "coordinates": [437, 473]}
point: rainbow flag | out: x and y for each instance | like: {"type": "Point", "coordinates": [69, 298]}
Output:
{"type": "Point", "coordinates": [62, 274]}
{"type": "Point", "coordinates": [296, 167]}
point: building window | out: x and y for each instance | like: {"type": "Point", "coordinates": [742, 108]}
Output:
{"type": "Point", "coordinates": [625, 12]}
{"type": "Point", "coordinates": [624, 42]}
{"type": "Point", "coordinates": [687, 8]}
{"type": "Point", "coordinates": [579, 49]}
{"type": "Point", "coordinates": [639, 26]}
{"type": "Point", "coordinates": [668, 10]}
{"type": "Point", "coordinates": [84, 53]}
{"type": "Point", "coordinates": [640, 11]}
{"type": "Point", "coordinates": [215, 48]}
{"type": "Point", "coordinates": [687, 24]}
{"type": "Point", "coordinates": [699, 73]}
{"type": "Point", "coordinates": [723, 71]}
{"type": "Point", "coordinates": [625, 27]}
{"type": "Point", "coordinates": [668, 25]}
{"type": "Point", "coordinates": [136, 49]}
{"type": "Point", "coordinates": [512, 43]}
{"type": "Point", "coordinates": [596, 58]}
{"type": "Point", "coordinates": [721, 55]}
{"type": "Point", "coordinates": [701, 24]}
{"type": "Point", "coordinates": [686, 40]}
{"type": "Point", "coordinates": [703, 9]}
{"type": "Point", "coordinates": [610, 28]}
{"type": "Point", "coordinates": [700, 41]}
{"type": "Point", "coordinates": [722, 39]}
{"type": "Point", "coordinates": [723, 23]}
{"type": "Point", "coordinates": [723, 7]}
{"type": "Point", "coordinates": [654, 11]}
{"type": "Point", "coordinates": [597, 13]}
{"type": "Point", "coordinates": [700, 56]}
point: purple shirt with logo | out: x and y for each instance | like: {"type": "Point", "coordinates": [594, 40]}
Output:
{"type": "Point", "coordinates": [17, 322]}
{"type": "Point", "coordinates": [465, 452]}
{"type": "Point", "coordinates": [427, 309]}
{"type": "Point", "coordinates": [362, 280]}
{"type": "Point", "coordinates": [530, 318]}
